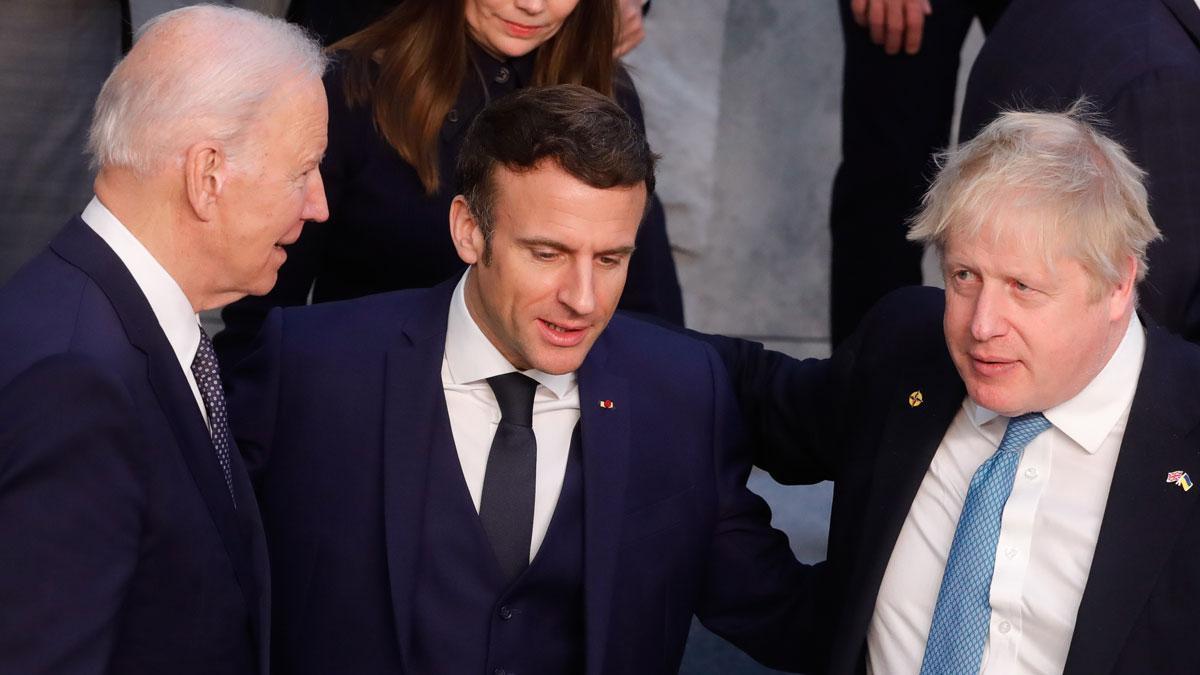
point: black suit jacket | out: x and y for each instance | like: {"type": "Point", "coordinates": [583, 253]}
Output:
{"type": "Point", "coordinates": [122, 551]}
{"type": "Point", "coordinates": [851, 419]}
{"type": "Point", "coordinates": [1139, 63]}
{"type": "Point", "coordinates": [338, 409]}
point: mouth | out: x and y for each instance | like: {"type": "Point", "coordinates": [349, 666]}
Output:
{"type": "Point", "coordinates": [562, 335]}
{"type": "Point", "coordinates": [519, 30]}
{"type": "Point", "coordinates": [992, 366]}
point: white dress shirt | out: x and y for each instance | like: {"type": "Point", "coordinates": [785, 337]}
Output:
{"type": "Point", "coordinates": [175, 315]}
{"type": "Point", "coordinates": [470, 359]}
{"type": "Point", "coordinates": [1047, 534]}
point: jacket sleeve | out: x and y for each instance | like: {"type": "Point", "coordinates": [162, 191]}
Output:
{"type": "Point", "coordinates": [253, 387]}
{"type": "Point", "coordinates": [70, 515]}
{"type": "Point", "coordinates": [756, 594]}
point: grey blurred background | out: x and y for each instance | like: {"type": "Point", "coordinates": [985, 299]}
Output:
{"type": "Point", "coordinates": [741, 98]}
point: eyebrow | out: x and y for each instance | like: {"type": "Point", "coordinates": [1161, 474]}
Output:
{"type": "Point", "coordinates": [559, 246]}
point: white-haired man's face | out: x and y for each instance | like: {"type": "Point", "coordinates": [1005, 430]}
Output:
{"type": "Point", "coordinates": [274, 188]}
{"type": "Point", "coordinates": [1026, 333]}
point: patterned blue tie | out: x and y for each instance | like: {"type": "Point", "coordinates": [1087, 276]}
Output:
{"type": "Point", "coordinates": [963, 611]}
{"type": "Point", "coordinates": [208, 380]}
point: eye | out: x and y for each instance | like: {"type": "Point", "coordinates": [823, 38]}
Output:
{"type": "Point", "coordinates": [1021, 288]}
{"type": "Point", "coordinates": [544, 255]}
{"type": "Point", "coordinates": [962, 276]}
{"type": "Point", "coordinates": [610, 260]}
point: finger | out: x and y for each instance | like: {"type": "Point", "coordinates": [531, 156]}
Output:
{"type": "Point", "coordinates": [858, 8]}
{"type": "Point", "coordinates": [876, 16]}
{"type": "Point", "coordinates": [893, 36]}
{"type": "Point", "coordinates": [915, 21]}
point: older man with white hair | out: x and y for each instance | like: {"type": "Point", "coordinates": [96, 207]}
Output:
{"type": "Point", "coordinates": [132, 541]}
{"type": "Point", "coordinates": [1014, 457]}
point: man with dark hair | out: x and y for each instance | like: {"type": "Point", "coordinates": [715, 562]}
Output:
{"type": "Point", "coordinates": [492, 476]}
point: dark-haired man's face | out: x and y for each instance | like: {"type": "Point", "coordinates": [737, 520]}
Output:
{"type": "Point", "coordinates": [559, 255]}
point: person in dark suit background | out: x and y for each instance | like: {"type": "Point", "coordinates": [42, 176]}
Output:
{"type": "Point", "coordinates": [433, 520]}
{"type": "Point", "coordinates": [1138, 61]}
{"type": "Point", "coordinates": [132, 540]}
{"type": "Point", "coordinates": [958, 544]}
{"type": "Point", "coordinates": [900, 75]}
{"type": "Point", "coordinates": [402, 93]}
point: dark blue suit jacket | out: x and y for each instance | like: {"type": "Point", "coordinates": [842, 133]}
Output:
{"type": "Point", "coordinates": [337, 412]}
{"type": "Point", "coordinates": [122, 552]}
{"type": "Point", "coordinates": [1139, 62]}
{"type": "Point", "coordinates": [850, 419]}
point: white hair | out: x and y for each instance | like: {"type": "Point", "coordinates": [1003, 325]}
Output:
{"type": "Point", "coordinates": [195, 73]}
{"type": "Point", "coordinates": [1076, 189]}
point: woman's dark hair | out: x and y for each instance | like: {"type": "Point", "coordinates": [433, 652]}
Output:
{"type": "Point", "coordinates": [410, 64]}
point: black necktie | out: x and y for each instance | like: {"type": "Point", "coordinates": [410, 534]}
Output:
{"type": "Point", "coordinates": [506, 506]}
{"type": "Point", "coordinates": [208, 380]}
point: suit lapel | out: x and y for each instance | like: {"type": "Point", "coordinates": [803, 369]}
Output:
{"type": "Point", "coordinates": [80, 246]}
{"type": "Point", "coordinates": [1188, 15]}
{"type": "Point", "coordinates": [415, 424]}
{"type": "Point", "coordinates": [606, 455]}
{"type": "Point", "coordinates": [1144, 514]}
{"type": "Point", "coordinates": [910, 438]}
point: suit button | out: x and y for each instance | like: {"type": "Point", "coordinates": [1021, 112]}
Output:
{"type": "Point", "coordinates": [501, 671]}
{"type": "Point", "coordinates": [452, 116]}
{"type": "Point", "coordinates": [505, 612]}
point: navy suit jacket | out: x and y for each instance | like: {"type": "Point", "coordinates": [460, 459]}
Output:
{"type": "Point", "coordinates": [339, 408]}
{"type": "Point", "coordinates": [1139, 63]}
{"type": "Point", "coordinates": [850, 419]}
{"type": "Point", "coordinates": [122, 551]}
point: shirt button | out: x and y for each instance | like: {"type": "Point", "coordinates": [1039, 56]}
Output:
{"type": "Point", "coordinates": [502, 76]}
{"type": "Point", "coordinates": [1011, 553]}
{"type": "Point", "coordinates": [505, 612]}
{"type": "Point", "coordinates": [1005, 627]}
{"type": "Point", "coordinates": [1031, 473]}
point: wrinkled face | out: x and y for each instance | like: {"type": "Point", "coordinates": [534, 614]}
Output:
{"type": "Point", "coordinates": [273, 187]}
{"type": "Point", "coordinates": [512, 28]}
{"type": "Point", "coordinates": [1026, 335]}
{"type": "Point", "coordinates": [559, 255]}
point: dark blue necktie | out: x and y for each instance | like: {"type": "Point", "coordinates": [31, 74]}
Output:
{"type": "Point", "coordinates": [963, 610]}
{"type": "Point", "coordinates": [208, 380]}
{"type": "Point", "coordinates": [506, 505]}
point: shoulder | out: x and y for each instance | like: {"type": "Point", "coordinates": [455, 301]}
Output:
{"type": "Point", "coordinates": [626, 94]}
{"type": "Point", "coordinates": [639, 349]}
{"type": "Point", "coordinates": [372, 320]}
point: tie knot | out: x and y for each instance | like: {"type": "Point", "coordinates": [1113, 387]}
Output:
{"type": "Point", "coordinates": [1023, 429]}
{"type": "Point", "coordinates": [514, 392]}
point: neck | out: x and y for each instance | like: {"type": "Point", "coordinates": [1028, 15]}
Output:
{"type": "Point", "coordinates": [155, 214]}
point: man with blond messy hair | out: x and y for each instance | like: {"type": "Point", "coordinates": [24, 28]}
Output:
{"type": "Point", "coordinates": [1012, 456]}
{"type": "Point", "coordinates": [132, 541]}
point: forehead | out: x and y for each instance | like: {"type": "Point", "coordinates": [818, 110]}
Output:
{"type": "Point", "coordinates": [548, 201]}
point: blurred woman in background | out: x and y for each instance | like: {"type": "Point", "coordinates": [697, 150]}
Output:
{"type": "Point", "coordinates": [401, 94]}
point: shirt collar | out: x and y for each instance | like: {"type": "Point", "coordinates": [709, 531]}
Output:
{"type": "Point", "coordinates": [471, 357]}
{"type": "Point", "coordinates": [175, 315]}
{"type": "Point", "coordinates": [1090, 415]}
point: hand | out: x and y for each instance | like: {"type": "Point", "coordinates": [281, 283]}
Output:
{"type": "Point", "coordinates": [632, 29]}
{"type": "Point", "coordinates": [893, 23]}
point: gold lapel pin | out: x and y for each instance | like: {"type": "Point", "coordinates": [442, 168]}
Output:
{"type": "Point", "coordinates": [607, 405]}
{"type": "Point", "coordinates": [916, 398]}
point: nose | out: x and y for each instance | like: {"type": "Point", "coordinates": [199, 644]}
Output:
{"type": "Point", "coordinates": [987, 319]}
{"type": "Point", "coordinates": [530, 6]}
{"type": "Point", "coordinates": [578, 289]}
{"type": "Point", "coordinates": [315, 207]}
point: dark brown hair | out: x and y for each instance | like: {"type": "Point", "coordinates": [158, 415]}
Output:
{"type": "Point", "coordinates": [586, 134]}
{"type": "Point", "coordinates": [410, 64]}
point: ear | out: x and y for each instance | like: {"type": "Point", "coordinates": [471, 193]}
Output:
{"type": "Point", "coordinates": [1123, 292]}
{"type": "Point", "coordinates": [205, 171]}
{"type": "Point", "coordinates": [465, 231]}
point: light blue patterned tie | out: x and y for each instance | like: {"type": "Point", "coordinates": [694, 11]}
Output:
{"type": "Point", "coordinates": [963, 612]}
